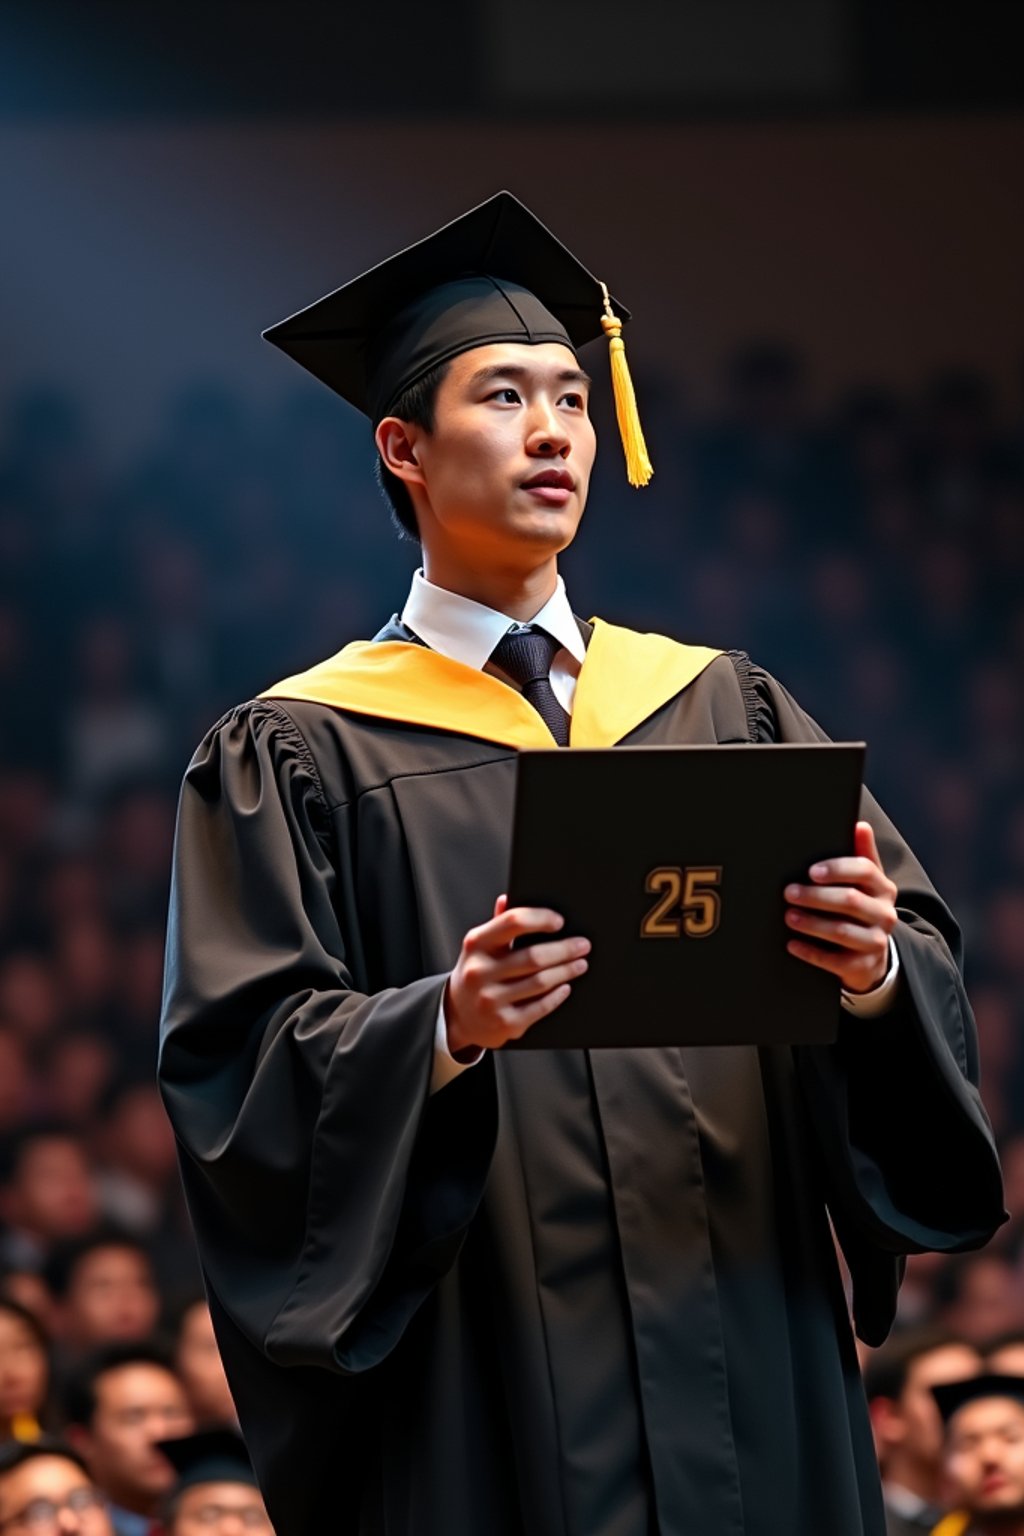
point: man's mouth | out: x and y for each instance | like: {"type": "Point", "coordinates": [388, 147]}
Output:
{"type": "Point", "coordinates": [553, 486]}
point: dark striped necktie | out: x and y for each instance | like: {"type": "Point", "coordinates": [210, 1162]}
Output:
{"type": "Point", "coordinates": [525, 655]}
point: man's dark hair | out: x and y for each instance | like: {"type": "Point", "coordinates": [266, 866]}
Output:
{"type": "Point", "coordinates": [14, 1453]}
{"type": "Point", "coordinates": [415, 405]}
{"type": "Point", "coordinates": [64, 1257]}
{"type": "Point", "coordinates": [80, 1389]}
{"type": "Point", "coordinates": [886, 1372]}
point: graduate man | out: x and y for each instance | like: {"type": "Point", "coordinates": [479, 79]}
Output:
{"type": "Point", "coordinates": [45, 1487]}
{"type": "Point", "coordinates": [983, 1456]}
{"type": "Point", "coordinates": [564, 1293]}
{"type": "Point", "coordinates": [215, 1493]}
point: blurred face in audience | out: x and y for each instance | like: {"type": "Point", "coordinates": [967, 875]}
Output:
{"type": "Point", "coordinates": [1008, 1360]}
{"type": "Point", "coordinates": [983, 1464]}
{"type": "Point", "coordinates": [25, 808]}
{"type": "Point", "coordinates": [31, 1291]}
{"type": "Point", "coordinates": [78, 1068]}
{"type": "Point", "coordinates": [140, 835]}
{"type": "Point", "coordinates": [86, 962]}
{"type": "Point", "coordinates": [50, 1494]}
{"type": "Point", "coordinates": [29, 1004]}
{"type": "Point", "coordinates": [910, 1428]}
{"type": "Point", "coordinates": [141, 974]}
{"type": "Point", "coordinates": [136, 1405]}
{"type": "Point", "coordinates": [52, 1193]}
{"type": "Point", "coordinates": [138, 1136]}
{"type": "Point", "coordinates": [24, 1370]}
{"type": "Point", "coordinates": [219, 1509]}
{"type": "Point", "coordinates": [199, 1365]}
{"type": "Point", "coordinates": [1004, 920]}
{"type": "Point", "coordinates": [1012, 1153]}
{"type": "Point", "coordinates": [111, 1297]}
{"type": "Point", "coordinates": [990, 1302]}
{"type": "Point", "coordinates": [73, 889]}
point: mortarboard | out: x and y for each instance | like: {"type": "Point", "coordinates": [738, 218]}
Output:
{"type": "Point", "coordinates": [951, 1396]}
{"type": "Point", "coordinates": [210, 1456]}
{"type": "Point", "coordinates": [494, 274]}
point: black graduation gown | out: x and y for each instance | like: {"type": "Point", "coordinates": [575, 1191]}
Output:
{"type": "Point", "coordinates": [570, 1294]}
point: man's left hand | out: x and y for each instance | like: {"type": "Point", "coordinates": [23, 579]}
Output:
{"type": "Point", "coordinates": [849, 904]}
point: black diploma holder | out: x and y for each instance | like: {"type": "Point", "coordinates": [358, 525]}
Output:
{"type": "Point", "coordinates": [673, 862]}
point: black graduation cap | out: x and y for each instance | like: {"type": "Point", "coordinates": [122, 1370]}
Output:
{"type": "Point", "coordinates": [494, 274]}
{"type": "Point", "coordinates": [951, 1396]}
{"type": "Point", "coordinates": [210, 1456]}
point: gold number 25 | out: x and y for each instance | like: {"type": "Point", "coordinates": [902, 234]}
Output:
{"type": "Point", "coordinates": [688, 902]}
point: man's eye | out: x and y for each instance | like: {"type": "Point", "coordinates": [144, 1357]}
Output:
{"type": "Point", "coordinates": [507, 395]}
{"type": "Point", "coordinates": [575, 401]}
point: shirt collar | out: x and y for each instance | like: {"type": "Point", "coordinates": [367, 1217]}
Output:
{"type": "Point", "coordinates": [468, 631]}
{"type": "Point", "coordinates": [909, 1505]}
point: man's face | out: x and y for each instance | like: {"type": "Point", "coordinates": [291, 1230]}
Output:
{"type": "Point", "coordinates": [53, 1194]}
{"type": "Point", "coordinates": [1007, 1361]}
{"type": "Point", "coordinates": [922, 1423]}
{"type": "Point", "coordinates": [200, 1367]}
{"type": "Point", "coordinates": [983, 1465]}
{"type": "Point", "coordinates": [51, 1481]}
{"type": "Point", "coordinates": [24, 1370]}
{"type": "Point", "coordinates": [136, 1405]}
{"type": "Point", "coordinates": [219, 1509]}
{"type": "Point", "coordinates": [111, 1298]}
{"type": "Point", "coordinates": [507, 465]}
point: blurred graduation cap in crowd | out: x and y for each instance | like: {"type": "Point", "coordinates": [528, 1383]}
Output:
{"type": "Point", "coordinates": [954, 1395]}
{"type": "Point", "coordinates": [496, 274]}
{"type": "Point", "coordinates": [209, 1456]}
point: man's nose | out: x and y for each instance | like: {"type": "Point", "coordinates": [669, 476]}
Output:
{"type": "Point", "coordinates": [230, 1523]}
{"type": "Point", "coordinates": [547, 433]}
{"type": "Point", "coordinates": [68, 1521]}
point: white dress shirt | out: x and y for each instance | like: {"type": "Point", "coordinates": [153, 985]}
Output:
{"type": "Point", "coordinates": [468, 631]}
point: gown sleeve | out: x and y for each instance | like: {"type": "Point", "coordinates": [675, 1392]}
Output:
{"type": "Point", "coordinates": [328, 1191]}
{"type": "Point", "coordinates": [908, 1152]}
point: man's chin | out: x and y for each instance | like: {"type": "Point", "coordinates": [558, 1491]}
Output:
{"type": "Point", "coordinates": [1002, 1508]}
{"type": "Point", "coordinates": [553, 525]}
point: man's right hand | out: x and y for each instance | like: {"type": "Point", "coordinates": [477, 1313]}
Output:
{"type": "Point", "coordinates": [495, 993]}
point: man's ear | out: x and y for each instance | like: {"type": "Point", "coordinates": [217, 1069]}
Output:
{"type": "Point", "coordinates": [887, 1422]}
{"type": "Point", "coordinates": [396, 443]}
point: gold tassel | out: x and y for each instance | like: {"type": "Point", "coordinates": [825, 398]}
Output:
{"type": "Point", "coordinates": [638, 466]}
